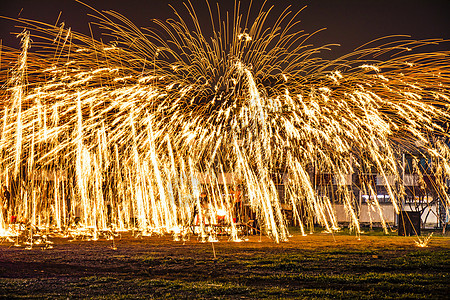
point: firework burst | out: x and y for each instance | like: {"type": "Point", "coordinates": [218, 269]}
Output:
{"type": "Point", "coordinates": [130, 134]}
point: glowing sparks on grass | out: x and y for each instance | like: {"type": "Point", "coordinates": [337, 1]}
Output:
{"type": "Point", "coordinates": [423, 243]}
{"type": "Point", "coordinates": [128, 135]}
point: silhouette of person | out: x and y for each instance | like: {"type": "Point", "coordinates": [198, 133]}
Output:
{"type": "Point", "coordinates": [8, 206]}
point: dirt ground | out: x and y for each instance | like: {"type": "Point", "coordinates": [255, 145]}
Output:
{"type": "Point", "coordinates": [317, 266]}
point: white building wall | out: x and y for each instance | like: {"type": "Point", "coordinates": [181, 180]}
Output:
{"type": "Point", "coordinates": [367, 214]}
{"type": "Point", "coordinates": [371, 213]}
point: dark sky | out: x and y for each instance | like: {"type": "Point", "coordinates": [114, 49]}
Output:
{"type": "Point", "coordinates": [348, 22]}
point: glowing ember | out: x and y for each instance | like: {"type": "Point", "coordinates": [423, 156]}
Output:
{"type": "Point", "coordinates": [193, 134]}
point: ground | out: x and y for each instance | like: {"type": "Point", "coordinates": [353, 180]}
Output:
{"type": "Point", "coordinates": [317, 266]}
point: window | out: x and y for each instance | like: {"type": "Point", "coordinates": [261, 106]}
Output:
{"type": "Point", "coordinates": [382, 198]}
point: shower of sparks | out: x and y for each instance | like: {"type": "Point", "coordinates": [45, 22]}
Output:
{"type": "Point", "coordinates": [126, 135]}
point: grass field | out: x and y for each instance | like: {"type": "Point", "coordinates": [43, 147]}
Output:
{"type": "Point", "coordinates": [318, 266]}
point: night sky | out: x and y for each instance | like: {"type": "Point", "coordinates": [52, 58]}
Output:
{"type": "Point", "coordinates": [349, 23]}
